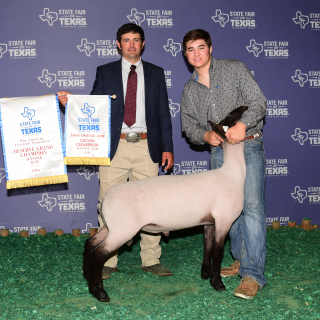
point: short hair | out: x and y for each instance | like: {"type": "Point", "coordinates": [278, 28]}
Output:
{"type": "Point", "coordinates": [196, 34]}
{"type": "Point", "coordinates": [130, 28]}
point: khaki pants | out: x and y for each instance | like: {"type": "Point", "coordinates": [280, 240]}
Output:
{"type": "Point", "coordinates": [132, 161]}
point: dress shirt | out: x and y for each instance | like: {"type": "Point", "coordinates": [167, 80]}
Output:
{"type": "Point", "coordinates": [231, 85]}
{"type": "Point", "coordinates": [140, 125]}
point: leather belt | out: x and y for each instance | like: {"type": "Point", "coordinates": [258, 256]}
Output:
{"type": "Point", "coordinates": [133, 136]}
{"type": "Point", "coordinates": [254, 136]}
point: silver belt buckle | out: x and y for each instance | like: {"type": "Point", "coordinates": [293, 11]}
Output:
{"type": "Point", "coordinates": [133, 137]}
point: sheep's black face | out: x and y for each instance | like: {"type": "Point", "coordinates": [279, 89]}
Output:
{"type": "Point", "coordinates": [229, 121]}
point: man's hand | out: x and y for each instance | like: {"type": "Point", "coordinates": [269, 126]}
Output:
{"type": "Point", "coordinates": [212, 138]}
{"type": "Point", "coordinates": [167, 156]}
{"type": "Point", "coordinates": [236, 133]}
{"type": "Point", "coordinates": [62, 96]}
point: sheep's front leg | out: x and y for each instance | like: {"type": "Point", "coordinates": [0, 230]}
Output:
{"type": "Point", "coordinates": [215, 278]}
{"type": "Point", "coordinates": [208, 251]}
{"type": "Point", "coordinates": [94, 256]}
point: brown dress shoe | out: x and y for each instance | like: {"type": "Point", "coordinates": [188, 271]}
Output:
{"type": "Point", "coordinates": [158, 270]}
{"type": "Point", "coordinates": [247, 289]}
{"type": "Point", "coordinates": [233, 270]}
{"type": "Point", "coordinates": [106, 272]}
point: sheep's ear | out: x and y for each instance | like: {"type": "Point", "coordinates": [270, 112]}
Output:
{"type": "Point", "coordinates": [233, 117]}
{"type": "Point", "coordinates": [218, 128]}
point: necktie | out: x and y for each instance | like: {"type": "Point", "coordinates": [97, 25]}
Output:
{"type": "Point", "coordinates": [131, 97]}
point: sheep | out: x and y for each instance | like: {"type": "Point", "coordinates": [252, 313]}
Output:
{"type": "Point", "coordinates": [212, 198]}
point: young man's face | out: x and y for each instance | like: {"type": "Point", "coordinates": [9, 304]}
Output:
{"type": "Point", "coordinates": [198, 53]}
{"type": "Point", "coordinates": [131, 46]}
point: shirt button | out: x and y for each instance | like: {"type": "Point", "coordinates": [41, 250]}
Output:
{"type": "Point", "coordinates": [213, 104]}
{"type": "Point", "coordinates": [119, 128]}
{"type": "Point", "coordinates": [121, 111]}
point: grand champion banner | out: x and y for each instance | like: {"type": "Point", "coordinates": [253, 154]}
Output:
{"type": "Point", "coordinates": [87, 130]}
{"type": "Point", "coordinates": [32, 141]}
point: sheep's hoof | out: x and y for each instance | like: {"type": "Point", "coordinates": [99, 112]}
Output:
{"type": "Point", "coordinates": [218, 286]}
{"type": "Point", "coordinates": [100, 295]}
{"type": "Point", "coordinates": [205, 275]}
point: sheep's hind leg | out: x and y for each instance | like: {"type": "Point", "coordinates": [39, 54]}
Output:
{"type": "Point", "coordinates": [208, 251]}
{"type": "Point", "coordinates": [94, 256]}
{"type": "Point", "coordinates": [215, 278]}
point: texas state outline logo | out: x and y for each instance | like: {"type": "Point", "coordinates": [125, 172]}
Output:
{"type": "Point", "coordinates": [301, 19]}
{"type": "Point", "coordinates": [49, 16]}
{"type": "Point", "coordinates": [300, 136]}
{"type": "Point", "coordinates": [47, 202]}
{"type": "Point", "coordinates": [88, 110]}
{"type": "Point", "coordinates": [136, 17]}
{"type": "Point", "coordinates": [299, 194]}
{"type": "Point", "coordinates": [86, 171]}
{"type": "Point", "coordinates": [255, 48]}
{"type": "Point", "coordinates": [86, 47]}
{"type": "Point", "coordinates": [172, 47]}
{"type": "Point", "coordinates": [47, 78]}
{"type": "Point", "coordinates": [174, 108]}
{"type": "Point", "coordinates": [28, 113]}
{"type": "Point", "coordinates": [3, 49]}
{"type": "Point", "coordinates": [300, 77]}
{"type": "Point", "coordinates": [221, 18]}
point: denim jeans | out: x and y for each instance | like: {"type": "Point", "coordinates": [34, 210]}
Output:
{"type": "Point", "coordinates": [248, 232]}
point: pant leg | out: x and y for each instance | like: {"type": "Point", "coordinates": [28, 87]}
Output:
{"type": "Point", "coordinates": [252, 223]}
{"type": "Point", "coordinates": [143, 167]}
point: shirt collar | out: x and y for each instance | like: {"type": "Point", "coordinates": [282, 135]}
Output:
{"type": "Point", "coordinates": [126, 64]}
{"type": "Point", "coordinates": [211, 68]}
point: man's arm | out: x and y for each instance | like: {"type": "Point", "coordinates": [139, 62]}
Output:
{"type": "Point", "coordinates": [165, 126]}
{"type": "Point", "coordinates": [191, 126]}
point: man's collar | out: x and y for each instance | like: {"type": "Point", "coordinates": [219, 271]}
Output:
{"type": "Point", "coordinates": [211, 68]}
{"type": "Point", "coordinates": [126, 64]}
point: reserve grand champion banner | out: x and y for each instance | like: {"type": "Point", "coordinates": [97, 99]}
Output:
{"type": "Point", "coordinates": [32, 141]}
{"type": "Point", "coordinates": [87, 130]}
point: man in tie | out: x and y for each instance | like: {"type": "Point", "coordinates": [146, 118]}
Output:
{"type": "Point", "coordinates": [141, 130]}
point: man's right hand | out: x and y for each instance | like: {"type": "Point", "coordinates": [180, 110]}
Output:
{"type": "Point", "coordinates": [62, 96]}
{"type": "Point", "coordinates": [212, 138]}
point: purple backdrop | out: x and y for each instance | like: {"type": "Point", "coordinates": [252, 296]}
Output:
{"type": "Point", "coordinates": [47, 46]}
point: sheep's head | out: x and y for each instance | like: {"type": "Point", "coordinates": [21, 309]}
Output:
{"type": "Point", "coordinates": [229, 121]}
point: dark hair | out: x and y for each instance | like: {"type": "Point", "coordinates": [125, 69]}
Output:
{"type": "Point", "coordinates": [130, 28]}
{"type": "Point", "coordinates": [197, 34]}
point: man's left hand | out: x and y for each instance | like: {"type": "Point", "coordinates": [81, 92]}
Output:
{"type": "Point", "coordinates": [236, 133]}
{"type": "Point", "coordinates": [167, 156]}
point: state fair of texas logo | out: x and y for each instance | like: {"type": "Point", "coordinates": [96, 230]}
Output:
{"type": "Point", "coordinates": [299, 194]}
{"type": "Point", "coordinates": [300, 77]}
{"type": "Point", "coordinates": [47, 202]}
{"type": "Point", "coordinates": [86, 47]}
{"type": "Point", "coordinates": [49, 16]}
{"type": "Point", "coordinates": [47, 78]}
{"type": "Point", "coordinates": [172, 47]}
{"type": "Point", "coordinates": [221, 18]}
{"type": "Point", "coordinates": [304, 20]}
{"type": "Point", "coordinates": [174, 108]}
{"type": "Point", "coordinates": [28, 113]}
{"type": "Point", "coordinates": [300, 136]}
{"type": "Point", "coordinates": [86, 171]}
{"type": "Point", "coordinates": [3, 49]}
{"type": "Point", "coordinates": [88, 110]}
{"type": "Point", "coordinates": [255, 47]}
{"type": "Point", "coordinates": [136, 17]}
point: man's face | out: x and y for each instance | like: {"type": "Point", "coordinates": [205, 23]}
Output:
{"type": "Point", "coordinates": [198, 53]}
{"type": "Point", "coordinates": [131, 46]}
